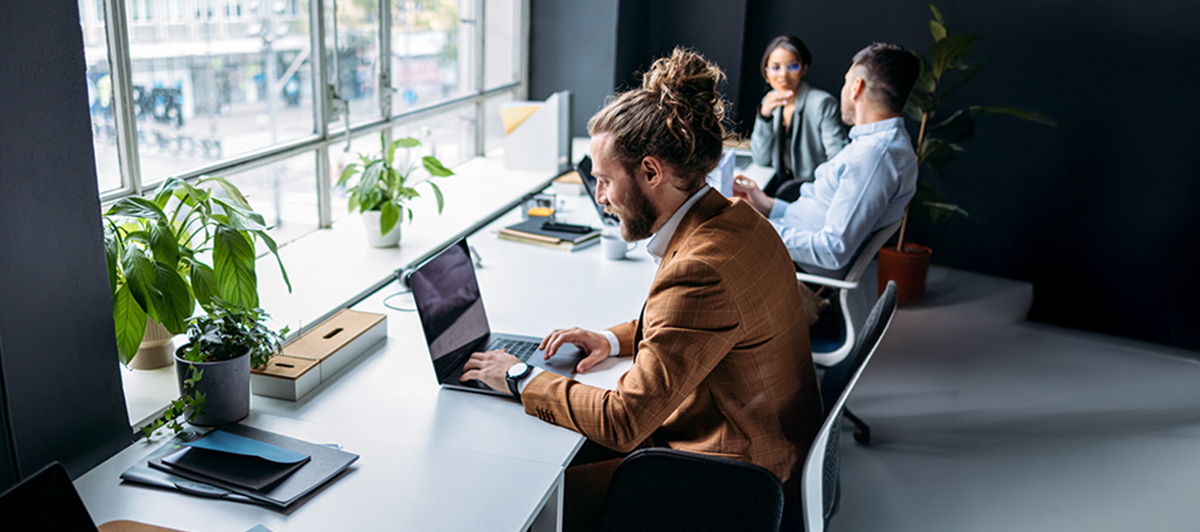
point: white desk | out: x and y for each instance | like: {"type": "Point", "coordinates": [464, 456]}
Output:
{"type": "Point", "coordinates": [431, 458]}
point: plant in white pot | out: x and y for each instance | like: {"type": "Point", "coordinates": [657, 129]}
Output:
{"type": "Point", "coordinates": [213, 368]}
{"type": "Point", "coordinates": [938, 144]}
{"type": "Point", "coordinates": [159, 252]}
{"type": "Point", "coordinates": [382, 193]}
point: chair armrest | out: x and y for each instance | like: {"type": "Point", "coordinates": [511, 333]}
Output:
{"type": "Point", "coordinates": [826, 281]}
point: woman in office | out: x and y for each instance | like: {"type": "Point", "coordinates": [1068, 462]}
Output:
{"type": "Point", "coordinates": [798, 126]}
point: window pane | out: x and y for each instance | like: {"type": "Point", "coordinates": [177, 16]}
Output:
{"type": "Point", "coordinates": [358, 56]}
{"type": "Point", "coordinates": [492, 123]}
{"type": "Point", "coordinates": [449, 136]}
{"type": "Point", "coordinates": [285, 193]}
{"type": "Point", "coordinates": [100, 95]}
{"type": "Point", "coordinates": [429, 63]}
{"type": "Point", "coordinates": [500, 59]}
{"type": "Point", "coordinates": [232, 76]}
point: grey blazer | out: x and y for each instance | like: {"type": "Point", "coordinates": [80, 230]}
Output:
{"type": "Point", "coordinates": [817, 133]}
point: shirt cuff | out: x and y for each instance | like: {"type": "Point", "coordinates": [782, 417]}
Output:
{"type": "Point", "coordinates": [614, 345]}
{"type": "Point", "coordinates": [525, 382]}
{"type": "Point", "coordinates": [778, 209]}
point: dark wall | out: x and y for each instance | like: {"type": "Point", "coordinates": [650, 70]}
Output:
{"type": "Point", "coordinates": [572, 46]}
{"type": "Point", "coordinates": [64, 400]}
{"type": "Point", "coordinates": [1096, 212]}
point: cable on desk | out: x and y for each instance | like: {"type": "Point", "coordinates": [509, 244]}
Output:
{"type": "Point", "coordinates": [400, 293]}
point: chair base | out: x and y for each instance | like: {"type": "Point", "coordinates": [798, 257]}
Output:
{"type": "Point", "coordinates": [862, 432]}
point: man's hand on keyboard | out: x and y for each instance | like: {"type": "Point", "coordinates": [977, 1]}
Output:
{"type": "Point", "coordinates": [593, 344]}
{"type": "Point", "coordinates": [490, 368]}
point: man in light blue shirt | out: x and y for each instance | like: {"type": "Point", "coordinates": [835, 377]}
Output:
{"type": "Point", "coordinates": [867, 185]}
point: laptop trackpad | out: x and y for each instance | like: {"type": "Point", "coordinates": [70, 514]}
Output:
{"type": "Point", "coordinates": [563, 362]}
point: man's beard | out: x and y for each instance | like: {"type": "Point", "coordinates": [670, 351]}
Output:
{"type": "Point", "coordinates": [637, 221]}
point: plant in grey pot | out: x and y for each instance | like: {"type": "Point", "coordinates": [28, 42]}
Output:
{"type": "Point", "coordinates": [939, 142]}
{"type": "Point", "coordinates": [213, 368]}
{"type": "Point", "coordinates": [189, 243]}
{"type": "Point", "coordinates": [382, 192]}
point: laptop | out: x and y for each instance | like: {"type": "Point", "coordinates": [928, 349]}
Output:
{"type": "Point", "coordinates": [48, 502]}
{"type": "Point", "coordinates": [448, 301]}
{"type": "Point", "coordinates": [589, 182]}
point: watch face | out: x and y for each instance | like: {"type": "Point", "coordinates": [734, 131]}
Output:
{"type": "Point", "coordinates": [517, 369]}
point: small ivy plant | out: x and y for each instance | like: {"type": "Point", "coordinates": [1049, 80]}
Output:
{"type": "Point", "coordinates": [225, 333]}
{"type": "Point", "coordinates": [382, 187]}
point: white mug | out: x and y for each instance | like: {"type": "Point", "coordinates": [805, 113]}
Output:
{"type": "Point", "coordinates": [615, 247]}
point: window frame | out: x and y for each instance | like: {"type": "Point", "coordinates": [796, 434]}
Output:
{"type": "Point", "coordinates": [329, 129]}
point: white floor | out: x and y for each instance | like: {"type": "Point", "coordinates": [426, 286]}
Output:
{"type": "Point", "coordinates": [982, 421]}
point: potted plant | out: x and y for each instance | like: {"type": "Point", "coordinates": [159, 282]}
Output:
{"type": "Point", "coordinates": [939, 142]}
{"type": "Point", "coordinates": [159, 252]}
{"type": "Point", "coordinates": [213, 368]}
{"type": "Point", "coordinates": [381, 192]}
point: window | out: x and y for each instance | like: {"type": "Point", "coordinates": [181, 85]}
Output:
{"type": "Point", "coordinates": [248, 89]}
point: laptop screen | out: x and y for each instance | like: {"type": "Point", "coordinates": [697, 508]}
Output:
{"type": "Point", "coordinates": [447, 298]}
{"type": "Point", "coordinates": [46, 502]}
{"type": "Point", "coordinates": [589, 183]}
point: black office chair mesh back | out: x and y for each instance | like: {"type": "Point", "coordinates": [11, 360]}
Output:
{"type": "Point", "coordinates": [666, 489]}
{"type": "Point", "coordinates": [837, 376]}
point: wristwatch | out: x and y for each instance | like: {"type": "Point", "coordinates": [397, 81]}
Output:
{"type": "Point", "coordinates": [517, 373]}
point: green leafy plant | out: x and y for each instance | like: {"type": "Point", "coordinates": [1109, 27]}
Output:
{"type": "Point", "coordinates": [157, 249]}
{"type": "Point", "coordinates": [225, 333]}
{"type": "Point", "coordinates": [382, 187]}
{"type": "Point", "coordinates": [943, 130]}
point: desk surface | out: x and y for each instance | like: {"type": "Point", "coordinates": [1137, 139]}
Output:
{"type": "Point", "coordinates": [424, 450]}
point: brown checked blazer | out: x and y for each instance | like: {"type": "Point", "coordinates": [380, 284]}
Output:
{"type": "Point", "coordinates": [722, 363]}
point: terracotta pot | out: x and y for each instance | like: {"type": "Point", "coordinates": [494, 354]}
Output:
{"type": "Point", "coordinates": [225, 385]}
{"type": "Point", "coordinates": [156, 349]}
{"type": "Point", "coordinates": [374, 238]}
{"type": "Point", "coordinates": [908, 268]}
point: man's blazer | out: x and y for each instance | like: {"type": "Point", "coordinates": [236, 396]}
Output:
{"type": "Point", "coordinates": [722, 363]}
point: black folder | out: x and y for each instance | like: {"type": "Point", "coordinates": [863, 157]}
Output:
{"type": "Point", "coordinates": [282, 490]}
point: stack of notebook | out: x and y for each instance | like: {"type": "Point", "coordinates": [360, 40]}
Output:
{"type": "Point", "coordinates": [544, 232]}
{"type": "Point", "coordinates": [240, 462]}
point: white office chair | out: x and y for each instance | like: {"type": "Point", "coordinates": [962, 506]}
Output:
{"type": "Point", "coordinates": [819, 479]}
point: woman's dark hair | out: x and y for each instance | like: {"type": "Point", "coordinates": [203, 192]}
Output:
{"type": "Point", "coordinates": [891, 72]}
{"type": "Point", "coordinates": [789, 43]}
{"type": "Point", "coordinates": [677, 115]}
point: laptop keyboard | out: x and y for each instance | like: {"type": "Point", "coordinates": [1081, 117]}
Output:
{"type": "Point", "coordinates": [520, 349]}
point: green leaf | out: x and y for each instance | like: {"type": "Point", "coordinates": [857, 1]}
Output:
{"type": "Point", "coordinates": [139, 276]}
{"type": "Point", "coordinates": [937, 14]}
{"type": "Point", "coordinates": [353, 206]}
{"type": "Point", "coordinates": [130, 322]}
{"type": "Point", "coordinates": [945, 54]}
{"type": "Point", "coordinates": [349, 171]}
{"type": "Point", "coordinates": [204, 284]}
{"type": "Point", "coordinates": [164, 244]}
{"type": "Point", "coordinates": [241, 219]}
{"type": "Point", "coordinates": [112, 256]}
{"type": "Point", "coordinates": [406, 142]}
{"type": "Point", "coordinates": [177, 301]}
{"type": "Point", "coordinates": [1010, 111]}
{"type": "Point", "coordinates": [937, 153]}
{"type": "Point", "coordinates": [270, 242]}
{"type": "Point", "coordinates": [949, 207]}
{"type": "Point", "coordinates": [230, 190]}
{"type": "Point", "coordinates": [968, 74]}
{"type": "Point", "coordinates": [937, 29]}
{"type": "Point", "coordinates": [925, 81]}
{"type": "Point", "coordinates": [233, 262]}
{"type": "Point", "coordinates": [389, 215]}
{"type": "Point", "coordinates": [434, 167]}
{"type": "Point", "coordinates": [921, 102]}
{"type": "Point", "coordinates": [959, 127]}
{"type": "Point", "coordinates": [393, 179]}
{"type": "Point", "coordinates": [437, 192]}
{"type": "Point", "coordinates": [370, 178]}
{"type": "Point", "coordinates": [137, 207]}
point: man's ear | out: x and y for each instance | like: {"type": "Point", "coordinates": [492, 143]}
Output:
{"type": "Point", "coordinates": [652, 168]}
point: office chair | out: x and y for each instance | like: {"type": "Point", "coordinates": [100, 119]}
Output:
{"type": "Point", "coordinates": [820, 487]}
{"type": "Point", "coordinates": [667, 489]}
{"type": "Point", "coordinates": [854, 296]}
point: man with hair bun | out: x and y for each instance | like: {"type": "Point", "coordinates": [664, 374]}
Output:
{"type": "Point", "coordinates": [721, 357]}
{"type": "Point", "coordinates": [867, 185]}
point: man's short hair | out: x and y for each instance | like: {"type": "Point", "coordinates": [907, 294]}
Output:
{"type": "Point", "coordinates": [891, 72]}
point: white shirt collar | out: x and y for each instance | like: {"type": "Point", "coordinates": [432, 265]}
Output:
{"type": "Point", "coordinates": [658, 244]}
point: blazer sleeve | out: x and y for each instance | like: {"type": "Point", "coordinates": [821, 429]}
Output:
{"type": "Point", "coordinates": [690, 325]}
{"type": "Point", "coordinates": [625, 333]}
{"type": "Point", "coordinates": [833, 130]}
{"type": "Point", "coordinates": [762, 138]}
